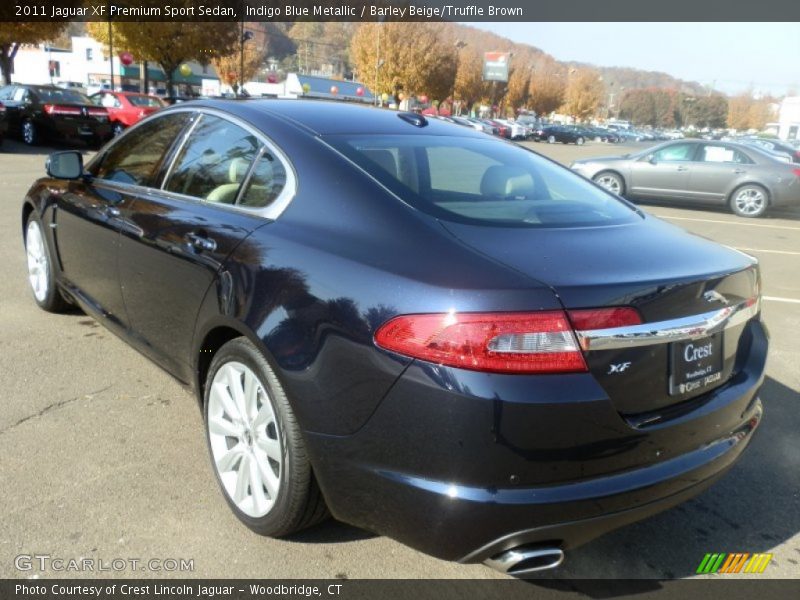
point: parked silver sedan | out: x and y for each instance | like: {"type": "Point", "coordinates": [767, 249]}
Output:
{"type": "Point", "coordinates": [745, 178]}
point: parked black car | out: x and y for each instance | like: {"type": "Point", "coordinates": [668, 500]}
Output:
{"type": "Point", "coordinates": [439, 336]}
{"type": "Point", "coordinates": [3, 122]}
{"type": "Point", "coordinates": [45, 112]}
{"type": "Point", "coordinates": [559, 133]}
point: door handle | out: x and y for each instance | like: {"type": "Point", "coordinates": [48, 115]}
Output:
{"type": "Point", "coordinates": [683, 168]}
{"type": "Point", "coordinates": [112, 211]}
{"type": "Point", "coordinates": [739, 171]}
{"type": "Point", "coordinates": [201, 242]}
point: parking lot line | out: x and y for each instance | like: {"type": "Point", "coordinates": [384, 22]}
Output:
{"type": "Point", "coordinates": [779, 299]}
{"type": "Point", "coordinates": [770, 251]}
{"type": "Point", "coordinates": [747, 223]}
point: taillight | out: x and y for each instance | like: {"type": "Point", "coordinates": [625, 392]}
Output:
{"type": "Point", "coordinates": [98, 112]}
{"type": "Point", "coordinates": [796, 172]}
{"type": "Point", "coordinates": [537, 342]}
{"type": "Point", "coordinates": [604, 318]}
{"type": "Point", "coordinates": [57, 109]}
{"type": "Point", "coordinates": [2, 107]}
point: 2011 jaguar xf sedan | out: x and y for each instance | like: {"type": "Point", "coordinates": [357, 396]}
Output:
{"type": "Point", "coordinates": [423, 331]}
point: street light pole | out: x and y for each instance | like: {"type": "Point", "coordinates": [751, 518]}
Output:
{"type": "Point", "coordinates": [241, 61]}
{"type": "Point", "coordinates": [377, 63]}
{"type": "Point", "coordinates": [111, 49]}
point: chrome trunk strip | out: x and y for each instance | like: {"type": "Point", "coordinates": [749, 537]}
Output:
{"type": "Point", "coordinates": [673, 330]}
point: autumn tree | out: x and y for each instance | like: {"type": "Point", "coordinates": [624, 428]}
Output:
{"type": "Point", "coordinates": [746, 112]}
{"type": "Point", "coordinates": [584, 94]}
{"type": "Point", "coordinates": [171, 43]}
{"type": "Point", "coordinates": [519, 81]}
{"type": "Point", "coordinates": [14, 35]}
{"type": "Point", "coordinates": [469, 87]}
{"type": "Point", "coordinates": [705, 111]}
{"type": "Point", "coordinates": [547, 86]}
{"type": "Point", "coordinates": [229, 67]}
{"type": "Point", "coordinates": [414, 59]}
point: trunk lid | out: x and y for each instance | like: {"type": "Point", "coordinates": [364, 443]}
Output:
{"type": "Point", "coordinates": [667, 274]}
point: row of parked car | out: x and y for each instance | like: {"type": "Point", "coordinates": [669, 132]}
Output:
{"type": "Point", "coordinates": [36, 113]}
{"type": "Point", "coordinates": [540, 131]}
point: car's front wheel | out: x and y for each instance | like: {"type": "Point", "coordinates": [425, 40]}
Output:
{"type": "Point", "coordinates": [611, 181]}
{"type": "Point", "coordinates": [257, 452]}
{"type": "Point", "coordinates": [40, 268]}
{"type": "Point", "coordinates": [749, 201]}
{"type": "Point", "coordinates": [117, 129]}
{"type": "Point", "coordinates": [580, 141]}
{"type": "Point", "coordinates": [551, 139]}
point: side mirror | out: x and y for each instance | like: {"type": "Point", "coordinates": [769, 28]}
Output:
{"type": "Point", "coordinates": [65, 165]}
{"type": "Point", "coordinates": [651, 158]}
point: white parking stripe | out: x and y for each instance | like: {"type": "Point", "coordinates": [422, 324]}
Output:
{"type": "Point", "coordinates": [770, 251]}
{"type": "Point", "coordinates": [777, 299]}
{"type": "Point", "coordinates": [746, 223]}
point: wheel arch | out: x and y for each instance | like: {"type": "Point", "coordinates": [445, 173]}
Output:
{"type": "Point", "coordinates": [213, 336]}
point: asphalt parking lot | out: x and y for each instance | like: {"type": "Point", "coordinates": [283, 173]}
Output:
{"type": "Point", "coordinates": [103, 453]}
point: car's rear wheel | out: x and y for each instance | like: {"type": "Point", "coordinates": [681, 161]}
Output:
{"type": "Point", "coordinates": [611, 181]}
{"type": "Point", "coordinates": [30, 134]}
{"type": "Point", "coordinates": [257, 452]}
{"type": "Point", "coordinates": [551, 139]}
{"type": "Point", "coordinates": [749, 201]}
{"type": "Point", "coordinates": [40, 268]}
{"type": "Point", "coordinates": [580, 141]}
{"type": "Point", "coordinates": [117, 129]}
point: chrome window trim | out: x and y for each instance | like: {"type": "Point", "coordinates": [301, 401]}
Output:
{"type": "Point", "coordinates": [672, 330]}
{"type": "Point", "coordinates": [270, 212]}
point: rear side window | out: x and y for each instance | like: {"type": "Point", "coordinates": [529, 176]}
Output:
{"type": "Point", "coordinates": [214, 161]}
{"type": "Point", "coordinates": [147, 101]}
{"type": "Point", "coordinates": [482, 181]}
{"type": "Point", "coordinates": [135, 159]}
{"type": "Point", "coordinates": [266, 182]}
{"type": "Point", "coordinates": [723, 154]}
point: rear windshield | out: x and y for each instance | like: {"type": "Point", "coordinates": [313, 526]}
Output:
{"type": "Point", "coordinates": [56, 95]}
{"type": "Point", "coordinates": [482, 181]}
{"type": "Point", "coordinates": [148, 101]}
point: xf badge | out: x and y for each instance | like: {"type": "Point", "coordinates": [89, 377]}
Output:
{"type": "Point", "coordinates": [618, 368]}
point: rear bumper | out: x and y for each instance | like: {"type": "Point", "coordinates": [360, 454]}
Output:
{"type": "Point", "coordinates": [79, 130]}
{"type": "Point", "coordinates": [464, 465]}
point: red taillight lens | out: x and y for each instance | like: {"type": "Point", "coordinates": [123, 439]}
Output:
{"type": "Point", "coordinates": [57, 109]}
{"type": "Point", "coordinates": [2, 107]}
{"type": "Point", "coordinates": [540, 342]}
{"type": "Point", "coordinates": [796, 172]}
{"type": "Point", "coordinates": [98, 112]}
{"type": "Point", "coordinates": [604, 318]}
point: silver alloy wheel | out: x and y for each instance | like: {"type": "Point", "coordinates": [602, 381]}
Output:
{"type": "Point", "coordinates": [38, 263]}
{"type": "Point", "coordinates": [610, 182]}
{"type": "Point", "coordinates": [117, 129]}
{"type": "Point", "coordinates": [551, 139]}
{"type": "Point", "coordinates": [28, 132]}
{"type": "Point", "coordinates": [750, 201]}
{"type": "Point", "coordinates": [579, 141]}
{"type": "Point", "coordinates": [245, 439]}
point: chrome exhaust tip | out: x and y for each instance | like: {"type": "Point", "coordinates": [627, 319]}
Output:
{"type": "Point", "coordinates": [522, 561]}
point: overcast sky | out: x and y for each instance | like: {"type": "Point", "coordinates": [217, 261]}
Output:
{"type": "Point", "coordinates": [730, 56]}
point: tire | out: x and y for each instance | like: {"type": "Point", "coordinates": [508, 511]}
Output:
{"type": "Point", "coordinates": [610, 181]}
{"type": "Point", "coordinates": [580, 141]}
{"type": "Point", "coordinates": [30, 133]}
{"type": "Point", "coordinates": [117, 129]}
{"type": "Point", "coordinates": [750, 201]}
{"type": "Point", "coordinates": [40, 268]}
{"type": "Point", "coordinates": [551, 139]}
{"type": "Point", "coordinates": [271, 455]}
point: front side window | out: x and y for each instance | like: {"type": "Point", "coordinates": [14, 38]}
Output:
{"type": "Point", "coordinates": [136, 157]}
{"type": "Point", "coordinates": [675, 152]}
{"type": "Point", "coordinates": [482, 181]}
{"type": "Point", "coordinates": [214, 161]}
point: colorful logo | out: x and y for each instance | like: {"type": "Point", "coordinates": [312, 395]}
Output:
{"type": "Point", "coordinates": [737, 562]}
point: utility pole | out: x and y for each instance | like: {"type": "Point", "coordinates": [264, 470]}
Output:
{"type": "Point", "coordinates": [110, 47]}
